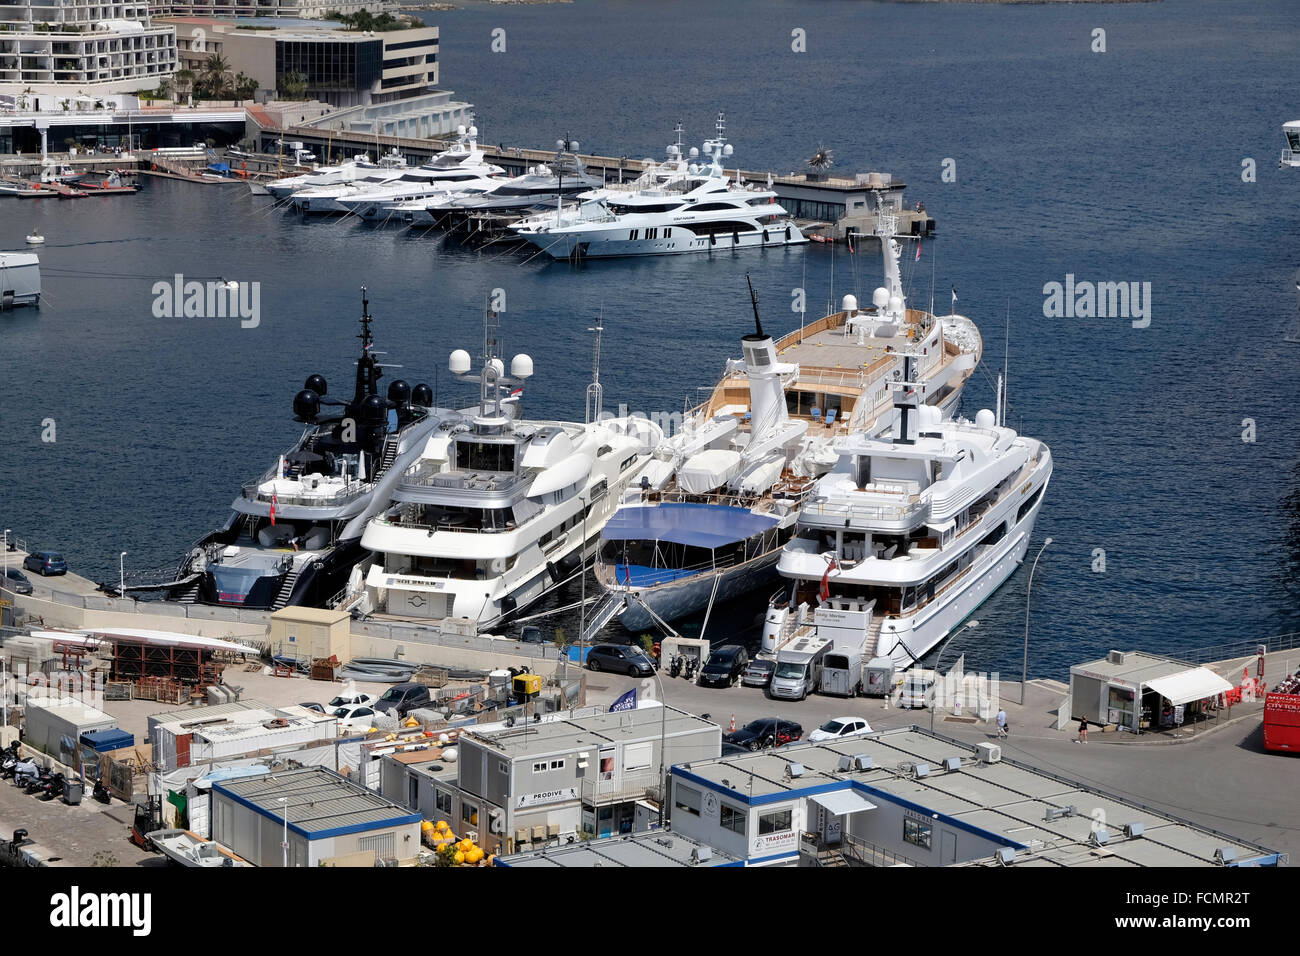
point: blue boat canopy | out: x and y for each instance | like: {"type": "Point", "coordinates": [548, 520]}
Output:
{"type": "Point", "coordinates": [702, 526]}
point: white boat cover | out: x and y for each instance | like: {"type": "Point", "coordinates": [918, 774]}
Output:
{"type": "Point", "coordinates": [1187, 686]}
{"type": "Point", "coordinates": [762, 475]}
{"type": "Point", "coordinates": [708, 471]}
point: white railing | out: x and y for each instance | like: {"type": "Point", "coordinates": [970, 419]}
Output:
{"type": "Point", "coordinates": [831, 509]}
{"type": "Point", "coordinates": [627, 785]}
{"type": "Point", "coordinates": [1289, 158]}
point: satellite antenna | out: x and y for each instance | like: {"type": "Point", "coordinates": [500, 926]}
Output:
{"type": "Point", "coordinates": [595, 392]}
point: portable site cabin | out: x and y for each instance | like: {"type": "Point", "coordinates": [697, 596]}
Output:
{"type": "Point", "coordinates": [56, 726]}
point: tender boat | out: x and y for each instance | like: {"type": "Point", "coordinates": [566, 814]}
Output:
{"type": "Point", "coordinates": [187, 848]}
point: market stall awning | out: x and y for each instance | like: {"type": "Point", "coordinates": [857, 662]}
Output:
{"type": "Point", "coordinates": [840, 802]}
{"type": "Point", "coordinates": [1187, 686]}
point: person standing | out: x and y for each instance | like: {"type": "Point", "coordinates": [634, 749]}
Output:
{"type": "Point", "coordinates": [1002, 723]}
{"type": "Point", "coordinates": [1083, 731]}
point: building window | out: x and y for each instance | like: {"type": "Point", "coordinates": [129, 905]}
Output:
{"type": "Point", "coordinates": [469, 813]}
{"type": "Point", "coordinates": [443, 801]}
{"type": "Point", "coordinates": [539, 767]}
{"type": "Point", "coordinates": [733, 819]}
{"type": "Point", "coordinates": [503, 767]}
{"type": "Point", "coordinates": [779, 821]}
{"type": "Point", "coordinates": [557, 764]}
{"type": "Point", "coordinates": [916, 833]}
{"type": "Point", "coordinates": [684, 798]}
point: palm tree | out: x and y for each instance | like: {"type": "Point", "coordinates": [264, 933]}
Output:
{"type": "Point", "coordinates": [216, 75]}
{"type": "Point", "coordinates": [184, 81]}
{"type": "Point", "coordinates": [245, 87]}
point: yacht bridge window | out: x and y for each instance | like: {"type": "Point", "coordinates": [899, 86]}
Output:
{"type": "Point", "coordinates": [485, 456]}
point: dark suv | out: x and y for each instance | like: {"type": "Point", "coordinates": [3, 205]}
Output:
{"type": "Point", "coordinates": [724, 666]}
{"type": "Point", "coordinates": [401, 699]}
{"type": "Point", "coordinates": [45, 562]}
{"type": "Point", "coordinates": [621, 659]}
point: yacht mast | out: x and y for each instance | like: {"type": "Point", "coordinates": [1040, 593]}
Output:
{"type": "Point", "coordinates": [595, 391]}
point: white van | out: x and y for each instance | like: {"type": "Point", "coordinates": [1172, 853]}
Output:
{"type": "Point", "coordinates": [798, 668]}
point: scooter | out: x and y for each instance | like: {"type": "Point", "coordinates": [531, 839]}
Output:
{"type": "Point", "coordinates": [101, 793]}
{"type": "Point", "coordinates": [54, 787]}
{"type": "Point", "coordinates": [25, 771]}
{"type": "Point", "coordinates": [675, 666]}
{"type": "Point", "coordinates": [692, 665]}
{"type": "Point", "coordinates": [9, 760]}
{"type": "Point", "coordinates": [35, 784]}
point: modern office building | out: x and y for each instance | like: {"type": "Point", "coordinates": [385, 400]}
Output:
{"type": "Point", "coordinates": [374, 82]}
{"type": "Point", "coordinates": [65, 54]}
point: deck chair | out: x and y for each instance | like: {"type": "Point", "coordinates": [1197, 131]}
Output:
{"type": "Point", "coordinates": [830, 416]}
{"type": "Point", "coordinates": [816, 413]}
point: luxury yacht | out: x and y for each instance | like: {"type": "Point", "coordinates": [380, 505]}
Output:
{"type": "Point", "coordinates": [295, 533]}
{"type": "Point", "coordinates": [700, 212]}
{"type": "Point", "coordinates": [707, 517]}
{"type": "Point", "coordinates": [905, 537]}
{"type": "Point", "coordinates": [497, 511]}
{"type": "Point", "coordinates": [356, 168]}
{"type": "Point", "coordinates": [1291, 155]}
{"type": "Point", "coordinates": [459, 163]}
{"type": "Point", "coordinates": [542, 186]}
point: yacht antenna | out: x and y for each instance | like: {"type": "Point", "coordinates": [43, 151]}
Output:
{"type": "Point", "coordinates": [753, 297]}
{"type": "Point", "coordinates": [595, 391]}
{"type": "Point", "coordinates": [1006, 372]}
{"type": "Point", "coordinates": [803, 306]}
{"type": "Point", "coordinates": [367, 339]}
{"type": "Point", "coordinates": [491, 324]}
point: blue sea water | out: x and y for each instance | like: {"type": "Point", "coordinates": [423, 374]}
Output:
{"type": "Point", "coordinates": [1117, 166]}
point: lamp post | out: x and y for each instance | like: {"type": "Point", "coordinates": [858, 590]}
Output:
{"type": "Point", "coordinates": [943, 647]}
{"type": "Point", "coordinates": [121, 572]}
{"type": "Point", "coordinates": [6, 559]}
{"type": "Point", "coordinates": [663, 736]}
{"type": "Point", "coordinates": [1024, 667]}
{"type": "Point", "coordinates": [284, 844]}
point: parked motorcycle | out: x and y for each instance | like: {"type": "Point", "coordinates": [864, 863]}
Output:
{"type": "Point", "coordinates": [9, 760]}
{"type": "Point", "coordinates": [54, 787]}
{"type": "Point", "coordinates": [25, 771]}
{"type": "Point", "coordinates": [36, 783]}
{"type": "Point", "coordinates": [100, 792]}
{"type": "Point", "coordinates": [675, 666]}
{"type": "Point", "coordinates": [692, 665]}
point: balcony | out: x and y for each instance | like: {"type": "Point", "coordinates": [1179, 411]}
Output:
{"type": "Point", "coordinates": [621, 788]}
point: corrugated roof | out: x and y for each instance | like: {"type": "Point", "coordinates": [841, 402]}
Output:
{"type": "Point", "coordinates": [317, 801]}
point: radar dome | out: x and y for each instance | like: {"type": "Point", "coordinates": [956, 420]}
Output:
{"type": "Point", "coordinates": [895, 303]}
{"type": "Point", "coordinates": [985, 418]}
{"type": "Point", "coordinates": [373, 409]}
{"type": "Point", "coordinates": [460, 131]}
{"type": "Point", "coordinates": [316, 383]}
{"type": "Point", "coordinates": [422, 395]}
{"type": "Point", "coordinates": [473, 131]}
{"type": "Point", "coordinates": [880, 298]}
{"type": "Point", "coordinates": [694, 153]}
{"type": "Point", "coordinates": [726, 150]}
{"type": "Point", "coordinates": [850, 303]}
{"type": "Point", "coordinates": [498, 367]}
{"type": "Point", "coordinates": [399, 391]}
{"type": "Point", "coordinates": [306, 405]}
{"type": "Point", "coordinates": [459, 363]}
{"type": "Point", "coordinates": [521, 366]}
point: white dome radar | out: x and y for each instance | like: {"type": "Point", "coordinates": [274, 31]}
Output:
{"type": "Point", "coordinates": [985, 419]}
{"type": "Point", "coordinates": [459, 363]}
{"type": "Point", "coordinates": [521, 366]}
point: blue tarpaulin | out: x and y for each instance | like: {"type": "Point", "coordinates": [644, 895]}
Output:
{"type": "Point", "coordinates": [102, 741]}
{"type": "Point", "coordinates": [222, 169]}
{"type": "Point", "coordinates": [702, 526]}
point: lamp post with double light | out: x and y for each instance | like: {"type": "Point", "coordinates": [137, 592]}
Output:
{"type": "Point", "coordinates": [1024, 667]}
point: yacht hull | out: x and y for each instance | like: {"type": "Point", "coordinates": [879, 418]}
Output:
{"type": "Point", "coordinates": [597, 245]}
{"type": "Point", "coordinates": [677, 599]}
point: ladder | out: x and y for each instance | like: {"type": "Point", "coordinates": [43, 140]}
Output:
{"type": "Point", "coordinates": [286, 590]}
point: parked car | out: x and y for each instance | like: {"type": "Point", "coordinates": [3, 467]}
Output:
{"type": "Point", "coordinates": [764, 732]}
{"type": "Point", "coordinates": [758, 673]}
{"type": "Point", "coordinates": [17, 582]}
{"type": "Point", "coordinates": [839, 728]}
{"type": "Point", "coordinates": [532, 634]}
{"type": "Point", "coordinates": [724, 666]}
{"type": "Point", "coordinates": [916, 692]}
{"type": "Point", "coordinates": [45, 562]}
{"type": "Point", "coordinates": [355, 718]}
{"type": "Point", "coordinates": [621, 659]}
{"type": "Point", "coordinates": [349, 700]}
{"type": "Point", "coordinates": [401, 699]}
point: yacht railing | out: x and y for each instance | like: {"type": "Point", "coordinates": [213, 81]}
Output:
{"type": "Point", "coordinates": [823, 508]}
{"type": "Point", "coordinates": [355, 489]}
{"type": "Point", "coordinates": [1289, 158]}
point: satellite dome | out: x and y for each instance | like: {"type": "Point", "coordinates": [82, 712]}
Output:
{"type": "Point", "coordinates": [459, 363]}
{"type": "Point", "coordinates": [422, 395]}
{"type": "Point", "coordinates": [373, 409]}
{"type": "Point", "coordinates": [880, 298]}
{"type": "Point", "coordinates": [694, 153]}
{"type": "Point", "coordinates": [985, 418]}
{"type": "Point", "coordinates": [473, 131]}
{"type": "Point", "coordinates": [521, 366]}
{"type": "Point", "coordinates": [460, 131]}
{"type": "Point", "coordinates": [850, 303]}
{"type": "Point", "coordinates": [498, 367]}
{"type": "Point", "coordinates": [895, 303]}
{"type": "Point", "coordinates": [316, 383]}
{"type": "Point", "coordinates": [726, 150]}
{"type": "Point", "coordinates": [399, 391]}
{"type": "Point", "coordinates": [306, 405]}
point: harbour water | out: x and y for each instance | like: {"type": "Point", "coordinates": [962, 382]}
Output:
{"type": "Point", "coordinates": [1123, 166]}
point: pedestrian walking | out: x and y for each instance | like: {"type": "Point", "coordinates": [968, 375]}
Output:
{"type": "Point", "coordinates": [1083, 731]}
{"type": "Point", "coordinates": [1002, 723]}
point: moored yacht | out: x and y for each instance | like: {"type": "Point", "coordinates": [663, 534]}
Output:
{"type": "Point", "coordinates": [295, 532]}
{"type": "Point", "coordinates": [498, 511]}
{"type": "Point", "coordinates": [906, 536]}
{"type": "Point", "coordinates": [707, 518]}
{"type": "Point", "coordinates": [700, 212]}
{"type": "Point", "coordinates": [355, 168]}
{"type": "Point", "coordinates": [1291, 155]}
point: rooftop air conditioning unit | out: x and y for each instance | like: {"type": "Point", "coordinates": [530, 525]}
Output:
{"type": "Point", "coordinates": [1133, 830]}
{"type": "Point", "coordinates": [1225, 855]}
{"type": "Point", "coordinates": [1006, 855]}
{"type": "Point", "coordinates": [863, 762]}
{"type": "Point", "coordinates": [1099, 836]}
{"type": "Point", "coordinates": [952, 763]}
{"type": "Point", "coordinates": [701, 854]}
{"type": "Point", "coordinates": [1117, 657]}
{"type": "Point", "coordinates": [794, 770]}
{"type": "Point", "coordinates": [844, 763]}
{"type": "Point", "coordinates": [988, 753]}
{"type": "Point", "coordinates": [921, 770]}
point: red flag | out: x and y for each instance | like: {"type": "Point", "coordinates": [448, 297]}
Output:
{"type": "Point", "coordinates": [274, 501]}
{"type": "Point", "coordinates": [826, 581]}
{"type": "Point", "coordinates": [918, 251]}
{"type": "Point", "coordinates": [849, 237]}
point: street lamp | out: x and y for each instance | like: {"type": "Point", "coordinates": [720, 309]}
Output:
{"type": "Point", "coordinates": [663, 735]}
{"type": "Point", "coordinates": [943, 647]}
{"type": "Point", "coordinates": [1024, 667]}
{"type": "Point", "coordinates": [121, 571]}
{"type": "Point", "coordinates": [284, 844]}
{"type": "Point", "coordinates": [6, 559]}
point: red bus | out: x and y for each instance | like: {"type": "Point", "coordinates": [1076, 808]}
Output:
{"type": "Point", "coordinates": [1282, 722]}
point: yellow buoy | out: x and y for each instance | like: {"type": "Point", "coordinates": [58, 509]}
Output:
{"type": "Point", "coordinates": [459, 857]}
{"type": "Point", "coordinates": [475, 855]}
{"type": "Point", "coordinates": [442, 825]}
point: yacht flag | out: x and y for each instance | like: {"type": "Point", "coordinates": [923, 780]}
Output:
{"type": "Point", "coordinates": [826, 581]}
{"type": "Point", "coordinates": [274, 501]}
{"type": "Point", "coordinates": [918, 251]}
{"type": "Point", "coordinates": [954, 298]}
